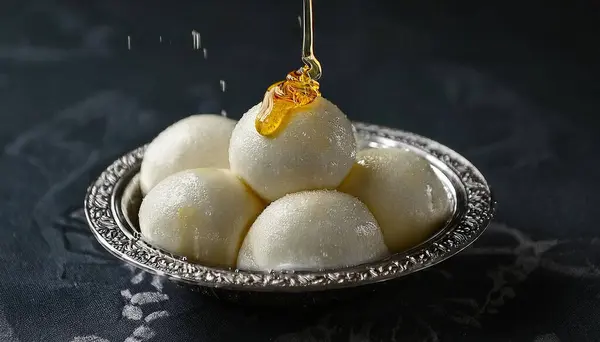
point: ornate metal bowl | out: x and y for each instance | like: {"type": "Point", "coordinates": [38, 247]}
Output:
{"type": "Point", "coordinates": [112, 203]}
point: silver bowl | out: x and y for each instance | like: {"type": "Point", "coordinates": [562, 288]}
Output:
{"type": "Point", "coordinates": [112, 202]}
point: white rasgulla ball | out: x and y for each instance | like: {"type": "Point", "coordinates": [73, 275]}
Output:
{"type": "Point", "coordinates": [202, 214]}
{"type": "Point", "coordinates": [312, 230]}
{"type": "Point", "coordinates": [402, 191]}
{"type": "Point", "coordinates": [194, 142]}
{"type": "Point", "coordinates": [315, 150]}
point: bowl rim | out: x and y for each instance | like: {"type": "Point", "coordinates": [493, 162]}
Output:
{"type": "Point", "coordinates": [105, 219]}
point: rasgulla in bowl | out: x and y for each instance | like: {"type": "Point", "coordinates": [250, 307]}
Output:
{"type": "Point", "coordinates": [312, 230]}
{"type": "Point", "coordinates": [403, 192]}
{"type": "Point", "coordinates": [201, 214]}
{"type": "Point", "coordinates": [198, 141]}
{"type": "Point", "coordinates": [315, 150]}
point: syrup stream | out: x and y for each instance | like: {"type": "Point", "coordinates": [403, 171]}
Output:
{"type": "Point", "coordinates": [300, 87]}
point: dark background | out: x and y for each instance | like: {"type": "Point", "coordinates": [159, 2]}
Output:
{"type": "Point", "coordinates": [513, 86]}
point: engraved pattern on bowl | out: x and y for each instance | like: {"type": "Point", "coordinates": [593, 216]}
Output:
{"type": "Point", "coordinates": [112, 201]}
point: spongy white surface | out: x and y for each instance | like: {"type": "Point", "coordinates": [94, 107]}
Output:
{"type": "Point", "coordinates": [315, 150]}
{"type": "Point", "coordinates": [312, 230]}
{"type": "Point", "coordinates": [194, 142]}
{"type": "Point", "coordinates": [202, 214]}
{"type": "Point", "coordinates": [402, 191]}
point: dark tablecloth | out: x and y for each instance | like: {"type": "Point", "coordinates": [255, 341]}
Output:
{"type": "Point", "coordinates": [512, 86]}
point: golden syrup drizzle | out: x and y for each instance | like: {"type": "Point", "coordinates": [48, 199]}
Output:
{"type": "Point", "coordinates": [282, 98]}
{"type": "Point", "coordinates": [308, 56]}
{"type": "Point", "coordinates": [298, 89]}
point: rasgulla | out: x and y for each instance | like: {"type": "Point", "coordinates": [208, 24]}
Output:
{"type": "Point", "coordinates": [402, 191]}
{"type": "Point", "coordinates": [194, 142]}
{"type": "Point", "coordinates": [315, 150]}
{"type": "Point", "coordinates": [312, 230]}
{"type": "Point", "coordinates": [202, 214]}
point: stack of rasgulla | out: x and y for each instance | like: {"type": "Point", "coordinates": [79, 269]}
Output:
{"type": "Point", "coordinates": [205, 194]}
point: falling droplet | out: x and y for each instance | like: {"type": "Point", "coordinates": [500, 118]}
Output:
{"type": "Point", "coordinates": [196, 40]}
{"type": "Point", "coordinates": [222, 82]}
{"type": "Point", "coordinates": [300, 21]}
{"type": "Point", "coordinates": [128, 42]}
{"type": "Point", "coordinates": [160, 39]}
{"type": "Point", "coordinates": [224, 112]}
{"type": "Point", "coordinates": [205, 53]}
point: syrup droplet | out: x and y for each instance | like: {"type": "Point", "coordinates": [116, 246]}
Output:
{"type": "Point", "coordinates": [196, 42]}
{"type": "Point", "coordinates": [300, 87]}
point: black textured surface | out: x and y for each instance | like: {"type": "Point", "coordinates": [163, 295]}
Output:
{"type": "Point", "coordinates": [512, 86]}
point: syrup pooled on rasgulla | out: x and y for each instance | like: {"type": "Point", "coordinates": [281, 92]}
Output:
{"type": "Point", "coordinates": [284, 98]}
